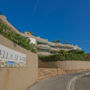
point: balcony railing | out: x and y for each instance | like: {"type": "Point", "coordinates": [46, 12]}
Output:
{"type": "Point", "coordinates": [42, 42]}
{"type": "Point", "coordinates": [44, 48]}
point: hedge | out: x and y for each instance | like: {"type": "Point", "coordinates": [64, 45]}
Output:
{"type": "Point", "coordinates": [65, 55]}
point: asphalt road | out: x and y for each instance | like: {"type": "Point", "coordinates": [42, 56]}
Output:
{"type": "Point", "coordinates": [83, 83]}
{"type": "Point", "coordinates": [61, 82]}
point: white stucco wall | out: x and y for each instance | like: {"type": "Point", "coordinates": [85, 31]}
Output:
{"type": "Point", "coordinates": [32, 40]}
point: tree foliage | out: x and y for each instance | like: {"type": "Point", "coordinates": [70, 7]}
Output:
{"type": "Point", "coordinates": [31, 32]}
{"type": "Point", "coordinates": [0, 13]}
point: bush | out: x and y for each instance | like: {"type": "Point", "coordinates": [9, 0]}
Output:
{"type": "Point", "coordinates": [16, 38]}
{"type": "Point", "coordinates": [65, 55]}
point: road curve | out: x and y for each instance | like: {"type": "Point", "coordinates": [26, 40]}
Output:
{"type": "Point", "coordinates": [55, 83]}
{"type": "Point", "coordinates": [83, 83]}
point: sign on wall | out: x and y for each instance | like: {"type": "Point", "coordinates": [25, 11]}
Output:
{"type": "Point", "coordinates": [11, 58]}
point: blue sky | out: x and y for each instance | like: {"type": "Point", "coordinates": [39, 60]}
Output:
{"type": "Point", "coordinates": [67, 20]}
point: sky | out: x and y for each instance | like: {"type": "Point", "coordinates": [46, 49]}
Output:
{"type": "Point", "coordinates": [65, 20]}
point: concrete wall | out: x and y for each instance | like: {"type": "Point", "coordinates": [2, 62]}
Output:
{"type": "Point", "coordinates": [73, 65]}
{"type": "Point", "coordinates": [18, 78]}
{"type": "Point", "coordinates": [68, 65]}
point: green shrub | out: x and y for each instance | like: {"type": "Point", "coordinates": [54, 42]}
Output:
{"type": "Point", "coordinates": [31, 32]}
{"type": "Point", "coordinates": [65, 55]}
{"type": "Point", "coordinates": [16, 38]}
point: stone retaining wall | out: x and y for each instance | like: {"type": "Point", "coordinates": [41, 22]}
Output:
{"type": "Point", "coordinates": [68, 65]}
{"type": "Point", "coordinates": [73, 65]}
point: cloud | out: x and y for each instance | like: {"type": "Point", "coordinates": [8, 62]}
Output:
{"type": "Point", "coordinates": [36, 6]}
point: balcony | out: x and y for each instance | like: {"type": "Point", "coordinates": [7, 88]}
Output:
{"type": "Point", "coordinates": [42, 42]}
{"type": "Point", "coordinates": [59, 45]}
{"type": "Point", "coordinates": [45, 47]}
{"type": "Point", "coordinates": [44, 53]}
{"type": "Point", "coordinates": [54, 49]}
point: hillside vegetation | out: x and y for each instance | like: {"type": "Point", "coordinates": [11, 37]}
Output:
{"type": "Point", "coordinates": [15, 37]}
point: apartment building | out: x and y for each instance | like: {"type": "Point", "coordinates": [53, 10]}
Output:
{"type": "Point", "coordinates": [44, 46]}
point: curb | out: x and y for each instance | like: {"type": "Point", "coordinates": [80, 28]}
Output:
{"type": "Point", "coordinates": [72, 82]}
